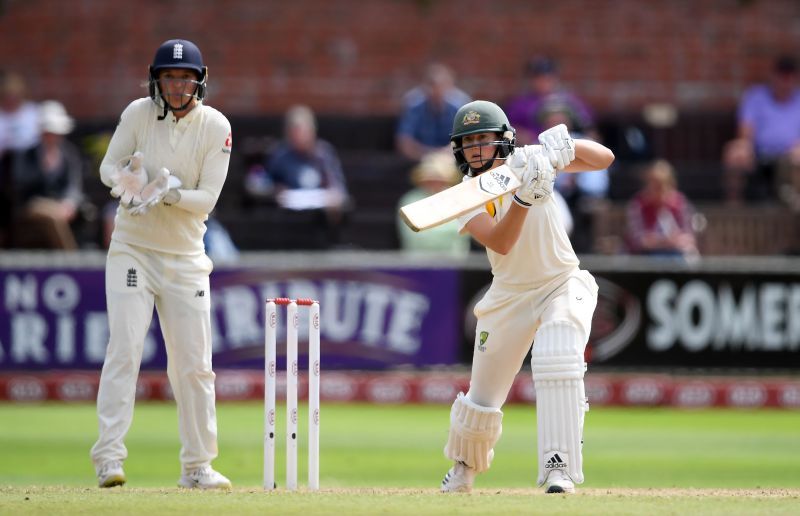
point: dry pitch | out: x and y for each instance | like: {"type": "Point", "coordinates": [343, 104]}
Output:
{"type": "Point", "coordinates": [350, 501]}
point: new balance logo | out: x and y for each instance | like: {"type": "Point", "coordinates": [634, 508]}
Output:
{"type": "Point", "coordinates": [131, 278]}
{"type": "Point", "coordinates": [555, 462]}
{"type": "Point", "coordinates": [177, 51]}
{"type": "Point", "coordinates": [200, 293]}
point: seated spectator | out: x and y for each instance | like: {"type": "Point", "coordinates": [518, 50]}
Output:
{"type": "Point", "coordinates": [583, 193]}
{"type": "Point", "coordinates": [768, 137]}
{"type": "Point", "coordinates": [659, 217]}
{"type": "Point", "coordinates": [427, 115]}
{"type": "Point", "coordinates": [19, 118]}
{"type": "Point", "coordinates": [436, 172]}
{"type": "Point", "coordinates": [542, 86]}
{"type": "Point", "coordinates": [255, 152]}
{"type": "Point", "coordinates": [306, 175]}
{"type": "Point", "coordinates": [48, 181]}
{"type": "Point", "coordinates": [218, 242]}
{"type": "Point", "coordinates": [6, 200]}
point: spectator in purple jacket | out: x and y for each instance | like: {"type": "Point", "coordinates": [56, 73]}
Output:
{"type": "Point", "coordinates": [543, 87]}
{"type": "Point", "coordinates": [766, 149]}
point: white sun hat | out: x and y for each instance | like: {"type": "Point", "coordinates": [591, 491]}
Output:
{"type": "Point", "coordinates": [54, 118]}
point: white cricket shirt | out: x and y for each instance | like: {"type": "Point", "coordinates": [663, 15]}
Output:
{"type": "Point", "coordinates": [195, 148]}
{"type": "Point", "coordinates": [542, 253]}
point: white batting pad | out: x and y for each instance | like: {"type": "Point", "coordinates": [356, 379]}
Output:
{"type": "Point", "coordinates": [473, 432]}
{"type": "Point", "coordinates": [558, 367]}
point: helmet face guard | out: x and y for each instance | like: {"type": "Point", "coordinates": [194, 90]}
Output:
{"type": "Point", "coordinates": [504, 147]}
{"type": "Point", "coordinates": [477, 117]}
{"type": "Point", "coordinates": [177, 54]}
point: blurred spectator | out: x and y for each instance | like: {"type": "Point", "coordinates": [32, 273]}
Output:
{"type": "Point", "coordinates": [254, 153]}
{"type": "Point", "coordinates": [584, 193]}
{"type": "Point", "coordinates": [427, 115]}
{"type": "Point", "coordinates": [768, 136]}
{"type": "Point", "coordinates": [219, 245]}
{"type": "Point", "coordinates": [48, 183]}
{"type": "Point", "coordinates": [6, 200]}
{"type": "Point", "coordinates": [542, 86]}
{"type": "Point", "coordinates": [306, 175]}
{"type": "Point", "coordinates": [436, 172]}
{"type": "Point", "coordinates": [19, 118]}
{"type": "Point", "coordinates": [659, 217]}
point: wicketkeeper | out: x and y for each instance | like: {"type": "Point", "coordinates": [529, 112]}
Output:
{"type": "Point", "coordinates": [167, 162]}
{"type": "Point", "coordinates": [538, 295]}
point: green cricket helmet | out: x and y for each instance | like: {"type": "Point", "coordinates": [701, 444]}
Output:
{"type": "Point", "coordinates": [481, 116]}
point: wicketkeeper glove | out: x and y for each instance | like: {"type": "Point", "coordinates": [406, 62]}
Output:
{"type": "Point", "coordinates": [164, 185]}
{"type": "Point", "coordinates": [558, 145]}
{"type": "Point", "coordinates": [129, 178]}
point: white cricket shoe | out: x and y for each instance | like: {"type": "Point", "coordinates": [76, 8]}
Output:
{"type": "Point", "coordinates": [559, 482]}
{"type": "Point", "coordinates": [110, 474]}
{"type": "Point", "coordinates": [204, 478]}
{"type": "Point", "coordinates": [459, 479]}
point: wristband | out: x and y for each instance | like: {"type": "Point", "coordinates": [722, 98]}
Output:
{"type": "Point", "coordinates": [521, 202]}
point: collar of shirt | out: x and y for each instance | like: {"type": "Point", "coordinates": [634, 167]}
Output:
{"type": "Point", "coordinates": [178, 126]}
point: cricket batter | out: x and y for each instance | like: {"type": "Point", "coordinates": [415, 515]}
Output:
{"type": "Point", "coordinates": [538, 294]}
{"type": "Point", "coordinates": [157, 257]}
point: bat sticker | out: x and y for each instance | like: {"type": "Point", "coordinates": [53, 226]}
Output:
{"type": "Point", "coordinates": [494, 182]}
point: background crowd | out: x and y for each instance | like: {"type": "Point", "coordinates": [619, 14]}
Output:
{"type": "Point", "coordinates": [313, 178]}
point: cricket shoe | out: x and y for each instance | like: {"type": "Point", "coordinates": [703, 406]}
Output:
{"type": "Point", "coordinates": [459, 479]}
{"type": "Point", "coordinates": [204, 478]}
{"type": "Point", "coordinates": [559, 482]}
{"type": "Point", "coordinates": [110, 474]}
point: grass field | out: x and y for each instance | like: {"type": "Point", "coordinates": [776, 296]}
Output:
{"type": "Point", "coordinates": [388, 460]}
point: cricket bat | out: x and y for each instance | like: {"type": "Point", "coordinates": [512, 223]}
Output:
{"type": "Point", "coordinates": [448, 204]}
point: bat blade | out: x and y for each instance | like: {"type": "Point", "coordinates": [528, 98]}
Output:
{"type": "Point", "coordinates": [457, 200]}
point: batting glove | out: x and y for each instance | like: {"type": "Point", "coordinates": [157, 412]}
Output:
{"type": "Point", "coordinates": [518, 160]}
{"type": "Point", "coordinates": [156, 191]}
{"type": "Point", "coordinates": [537, 181]}
{"type": "Point", "coordinates": [129, 178]}
{"type": "Point", "coordinates": [558, 145]}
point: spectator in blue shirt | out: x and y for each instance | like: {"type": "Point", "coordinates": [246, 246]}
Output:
{"type": "Point", "coordinates": [306, 175]}
{"type": "Point", "coordinates": [428, 111]}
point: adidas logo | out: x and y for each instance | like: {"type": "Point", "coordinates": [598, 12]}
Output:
{"type": "Point", "coordinates": [555, 462]}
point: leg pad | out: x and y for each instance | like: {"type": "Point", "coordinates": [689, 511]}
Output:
{"type": "Point", "coordinates": [473, 432]}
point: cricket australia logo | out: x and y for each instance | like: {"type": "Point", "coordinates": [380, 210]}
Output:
{"type": "Point", "coordinates": [494, 182]}
{"type": "Point", "coordinates": [484, 335]}
{"type": "Point", "coordinates": [473, 117]}
{"type": "Point", "coordinates": [131, 278]}
{"type": "Point", "coordinates": [177, 51]}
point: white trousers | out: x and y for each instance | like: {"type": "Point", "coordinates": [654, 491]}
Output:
{"type": "Point", "coordinates": [178, 286]}
{"type": "Point", "coordinates": [507, 322]}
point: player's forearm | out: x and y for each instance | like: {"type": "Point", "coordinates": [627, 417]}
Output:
{"type": "Point", "coordinates": [196, 201]}
{"type": "Point", "coordinates": [502, 236]}
{"type": "Point", "coordinates": [203, 199]}
{"type": "Point", "coordinates": [590, 155]}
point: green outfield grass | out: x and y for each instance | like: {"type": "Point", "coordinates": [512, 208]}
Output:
{"type": "Point", "coordinates": [392, 456]}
